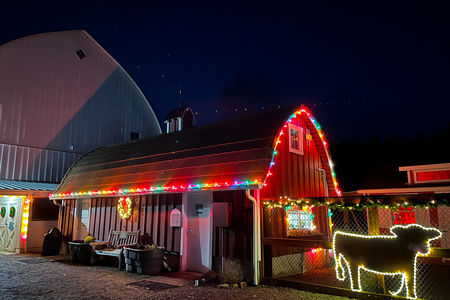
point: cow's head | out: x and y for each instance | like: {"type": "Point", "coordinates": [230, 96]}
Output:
{"type": "Point", "coordinates": [417, 236]}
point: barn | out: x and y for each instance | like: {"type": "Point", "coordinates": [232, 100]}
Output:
{"type": "Point", "coordinates": [217, 177]}
{"type": "Point", "coordinates": [61, 96]}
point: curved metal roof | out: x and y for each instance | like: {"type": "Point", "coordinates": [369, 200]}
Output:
{"type": "Point", "coordinates": [62, 95]}
{"type": "Point", "coordinates": [228, 152]}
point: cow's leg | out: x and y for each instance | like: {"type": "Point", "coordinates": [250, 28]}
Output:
{"type": "Point", "coordinates": [354, 277]}
{"type": "Point", "coordinates": [340, 267]}
{"type": "Point", "coordinates": [410, 283]}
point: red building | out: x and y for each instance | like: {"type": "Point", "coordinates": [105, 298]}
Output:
{"type": "Point", "coordinates": [216, 176]}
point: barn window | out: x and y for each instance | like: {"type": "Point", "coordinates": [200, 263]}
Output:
{"type": "Point", "coordinates": [134, 135]}
{"type": "Point", "coordinates": [300, 221]}
{"type": "Point", "coordinates": [295, 139]}
{"type": "Point", "coordinates": [81, 54]}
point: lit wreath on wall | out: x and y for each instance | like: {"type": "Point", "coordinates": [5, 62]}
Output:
{"type": "Point", "coordinates": [125, 206]}
{"type": "Point", "coordinates": [3, 212]}
{"type": "Point", "coordinates": [383, 254]}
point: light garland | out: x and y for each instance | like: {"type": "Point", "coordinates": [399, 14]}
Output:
{"type": "Point", "coordinates": [25, 217]}
{"type": "Point", "coordinates": [125, 202]}
{"type": "Point", "coordinates": [361, 203]}
{"type": "Point", "coordinates": [162, 189]}
{"type": "Point", "coordinates": [340, 258]}
{"type": "Point", "coordinates": [318, 128]}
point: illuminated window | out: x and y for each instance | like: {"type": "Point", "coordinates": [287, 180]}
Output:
{"type": "Point", "coordinates": [293, 219]}
{"type": "Point", "coordinates": [305, 220]}
{"type": "Point", "coordinates": [295, 139]}
{"type": "Point", "coordinates": [300, 221]}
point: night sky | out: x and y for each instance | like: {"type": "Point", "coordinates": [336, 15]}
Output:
{"type": "Point", "coordinates": [364, 69]}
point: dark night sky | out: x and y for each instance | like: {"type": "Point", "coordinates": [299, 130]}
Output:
{"type": "Point", "coordinates": [364, 69]}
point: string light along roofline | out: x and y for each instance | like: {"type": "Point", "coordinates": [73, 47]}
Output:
{"type": "Point", "coordinates": [214, 185]}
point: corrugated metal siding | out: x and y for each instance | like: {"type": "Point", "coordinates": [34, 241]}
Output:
{"type": "Point", "coordinates": [27, 186]}
{"type": "Point", "coordinates": [33, 164]}
{"type": "Point", "coordinates": [51, 99]}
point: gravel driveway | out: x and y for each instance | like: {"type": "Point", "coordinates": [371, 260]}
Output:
{"type": "Point", "coordinates": [26, 277]}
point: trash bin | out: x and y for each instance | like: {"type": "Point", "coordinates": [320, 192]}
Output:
{"type": "Point", "coordinates": [52, 242]}
{"type": "Point", "coordinates": [81, 252]}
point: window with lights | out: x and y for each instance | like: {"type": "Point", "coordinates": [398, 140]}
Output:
{"type": "Point", "coordinates": [300, 221]}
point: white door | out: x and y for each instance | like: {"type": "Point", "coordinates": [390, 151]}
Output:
{"type": "Point", "coordinates": [10, 225]}
{"type": "Point", "coordinates": [199, 232]}
{"type": "Point", "coordinates": [81, 222]}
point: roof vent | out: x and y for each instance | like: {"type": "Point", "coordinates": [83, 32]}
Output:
{"type": "Point", "coordinates": [180, 119]}
{"type": "Point", "coordinates": [81, 54]}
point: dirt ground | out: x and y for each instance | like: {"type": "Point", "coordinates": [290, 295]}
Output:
{"type": "Point", "coordinates": [27, 277]}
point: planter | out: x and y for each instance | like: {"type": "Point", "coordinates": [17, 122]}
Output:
{"type": "Point", "coordinates": [81, 252]}
{"type": "Point", "coordinates": [142, 261]}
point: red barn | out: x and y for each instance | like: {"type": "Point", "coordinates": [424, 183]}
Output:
{"type": "Point", "coordinates": [216, 176]}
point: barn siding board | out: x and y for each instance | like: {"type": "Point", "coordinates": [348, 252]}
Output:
{"type": "Point", "coordinates": [150, 216]}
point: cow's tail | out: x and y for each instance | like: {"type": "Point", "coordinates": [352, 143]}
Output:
{"type": "Point", "coordinates": [403, 283]}
{"type": "Point", "coordinates": [340, 271]}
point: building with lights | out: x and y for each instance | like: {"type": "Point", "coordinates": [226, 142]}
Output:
{"type": "Point", "coordinates": [430, 179]}
{"type": "Point", "coordinates": [61, 96]}
{"type": "Point", "coordinates": [199, 192]}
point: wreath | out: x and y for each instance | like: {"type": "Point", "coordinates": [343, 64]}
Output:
{"type": "Point", "coordinates": [12, 212]}
{"type": "Point", "coordinates": [3, 212]}
{"type": "Point", "coordinates": [125, 207]}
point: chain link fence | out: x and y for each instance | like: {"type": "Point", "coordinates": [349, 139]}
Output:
{"type": "Point", "coordinates": [301, 250]}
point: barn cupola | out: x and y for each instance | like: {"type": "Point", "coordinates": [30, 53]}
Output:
{"type": "Point", "coordinates": [180, 119]}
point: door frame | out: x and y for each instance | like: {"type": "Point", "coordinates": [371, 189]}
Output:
{"type": "Point", "coordinates": [184, 239]}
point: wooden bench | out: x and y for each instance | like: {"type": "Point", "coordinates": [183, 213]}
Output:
{"type": "Point", "coordinates": [117, 240]}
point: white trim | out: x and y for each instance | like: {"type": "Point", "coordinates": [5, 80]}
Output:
{"type": "Point", "coordinates": [409, 190]}
{"type": "Point", "coordinates": [183, 242]}
{"type": "Point", "coordinates": [179, 124]}
{"type": "Point", "coordinates": [432, 167]}
{"type": "Point", "coordinates": [300, 139]}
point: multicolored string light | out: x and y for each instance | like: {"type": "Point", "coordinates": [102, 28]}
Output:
{"type": "Point", "coordinates": [25, 216]}
{"type": "Point", "coordinates": [161, 189]}
{"type": "Point", "coordinates": [317, 126]}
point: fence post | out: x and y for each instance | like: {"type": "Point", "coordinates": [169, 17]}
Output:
{"type": "Point", "coordinates": [374, 229]}
{"type": "Point", "coordinates": [268, 260]}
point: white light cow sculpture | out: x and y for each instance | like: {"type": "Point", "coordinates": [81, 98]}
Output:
{"type": "Point", "coordinates": [383, 254]}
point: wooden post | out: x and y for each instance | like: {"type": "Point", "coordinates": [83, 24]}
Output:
{"type": "Point", "coordinates": [374, 229]}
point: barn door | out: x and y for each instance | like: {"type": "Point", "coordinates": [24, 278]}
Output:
{"type": "Point", "coordinates": [9, 223]}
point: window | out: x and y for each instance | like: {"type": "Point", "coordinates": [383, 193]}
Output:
{"type": "Point", "coordinates": [134, 136]}
{"type": "Point", "coordinates": [43, 209]}
{"type": "Point", "coordinates": [305, 220]}
{"type": "Point", "coordinates": [81, 54]}
{"type": "Point", "coordinates": [295, 139]}
{"type": "Point", "coordinates": [293, 219]}
{"type": "Point", "coordinates": [300, 222]}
